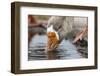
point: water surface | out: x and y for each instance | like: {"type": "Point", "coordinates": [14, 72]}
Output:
{"type": "Point", "coordinates": [66, 50]}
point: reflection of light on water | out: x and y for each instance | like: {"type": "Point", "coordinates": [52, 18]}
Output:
{"type": "Point", "coordinates": [66, 49]}
{"type": "Point", "coordinates": [38, 40]}
{"type": "Point", "coordinates": [70, 50]}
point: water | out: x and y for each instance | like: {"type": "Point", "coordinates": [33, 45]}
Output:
{"type": "Point", "coordinates": [66, 50]}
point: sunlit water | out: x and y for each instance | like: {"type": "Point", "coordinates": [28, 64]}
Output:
{"type": "Point", "coordinates": [66, 50]}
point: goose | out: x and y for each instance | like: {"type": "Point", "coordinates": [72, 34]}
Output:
{"type": "Point", "coordinates": [61, 26]}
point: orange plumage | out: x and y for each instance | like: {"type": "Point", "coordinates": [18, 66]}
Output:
{"type": "Point", "coordinates": [52, 40]}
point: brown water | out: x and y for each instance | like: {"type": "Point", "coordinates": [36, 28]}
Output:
{"type": "Point", "coordinates": [66, 50]}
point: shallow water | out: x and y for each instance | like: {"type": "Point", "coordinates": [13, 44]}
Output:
{"type": "Point", "coordinates": [66, 50]}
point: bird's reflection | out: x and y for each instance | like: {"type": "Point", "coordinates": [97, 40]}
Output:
{"type": "Point", "coordinates": [52, 55]}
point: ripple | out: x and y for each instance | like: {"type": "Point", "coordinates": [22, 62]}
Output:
{"type": "Point", "coordinates": [66, 50]}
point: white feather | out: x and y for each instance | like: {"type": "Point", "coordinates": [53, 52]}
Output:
{"type": "Point", "coordinates": [50, 29]}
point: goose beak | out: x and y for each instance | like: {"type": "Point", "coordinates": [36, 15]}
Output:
{"type": "Point", "coordinates": [81, 35]}
{"type": "Point", "coordinates": [78, 37]}
{"type": "Point", "coordinates": [53, 38]}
